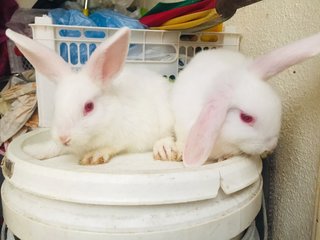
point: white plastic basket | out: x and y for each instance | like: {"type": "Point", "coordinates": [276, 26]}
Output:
{"type": "Point", "coordinates": [165, 52]}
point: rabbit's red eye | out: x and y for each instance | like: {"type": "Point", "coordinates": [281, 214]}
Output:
{"type": "Point", "coordinates": [88, 107]}
{"type": "Point", "coordinates": [247, 118]}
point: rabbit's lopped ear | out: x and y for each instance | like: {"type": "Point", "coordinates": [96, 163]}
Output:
{"type": "Point", "coordinates": [43, 59]}
{"type": "Point", "coordinates": [279, 59]}
{"type": "Point", "coordinates": [205, 131]}
{"type": "Point", "coordinates": [108, 59]}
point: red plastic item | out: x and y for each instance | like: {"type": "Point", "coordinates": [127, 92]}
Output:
{"type": "Point", "coordinates": [158, 19]}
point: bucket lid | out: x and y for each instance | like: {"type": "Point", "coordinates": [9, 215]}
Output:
{"type": "Point", "coordinates": [131, 179]}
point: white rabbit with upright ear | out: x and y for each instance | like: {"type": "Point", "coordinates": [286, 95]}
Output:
{"type": "Point", "coordinates": [104, 109]}
{"type": "Point", "coordinates": [223, 106]}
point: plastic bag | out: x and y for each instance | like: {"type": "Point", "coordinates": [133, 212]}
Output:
{"type": "Point", "coordinates": [157, 53]}
{"type": "Point", "coordinates": [70, 17]}
{"type": "Point", "coordinates": [109, 18]}
{"type": "Point", "coordinates": [19, 95]}
{"type": "Point", "coordinates": [122, 5]}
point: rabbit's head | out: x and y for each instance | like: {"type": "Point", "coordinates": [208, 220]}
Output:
{"type": "Point", "coordinates": [251, 115]}
{"type": "Point", "coordinates": [82, 98]}
{"type": "Point", "coordinates": [244, 112]}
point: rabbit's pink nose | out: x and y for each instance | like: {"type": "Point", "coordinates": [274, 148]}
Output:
{"type": "Point", "coordinates": [65, 140]}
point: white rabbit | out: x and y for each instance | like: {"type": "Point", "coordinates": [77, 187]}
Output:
{"type": "Point", "coordinates": [104, 109]}
{"type": "Point", "coordinates": [223, 105]}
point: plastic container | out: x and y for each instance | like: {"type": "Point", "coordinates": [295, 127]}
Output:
{"type": "Point", "coordinates": [156, 50]}
{"type": "Point", "coordinates": [132, 197]}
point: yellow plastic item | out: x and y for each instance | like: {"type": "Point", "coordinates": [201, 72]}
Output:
{"type": "Point", "coordinates": [187, 18]}
{"type": "Point", "coordinates": [85, 11]}
{"type": "Point", "coordinates": [189, 24]}
{"type": "Point", "coordinates": [211, 37]}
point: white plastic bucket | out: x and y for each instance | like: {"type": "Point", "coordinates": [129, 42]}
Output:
{"type": "Point", "coordinates": [131, 197]}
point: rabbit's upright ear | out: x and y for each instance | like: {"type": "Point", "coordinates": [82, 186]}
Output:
{"type": "Point", "coordinates": [278, 60]}
{"type": "Point", "coordinates": [205, 131]}
{"type": "Point", "coordinates": [108, 59]}
{"type": "Point", "coordinates": [43, 59]}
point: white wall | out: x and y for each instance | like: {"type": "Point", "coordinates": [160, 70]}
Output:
{"type": "Point", "coordinates": [264, 26]}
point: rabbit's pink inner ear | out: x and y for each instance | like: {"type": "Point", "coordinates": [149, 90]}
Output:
{"type": "Point", "coordinates": [43, 59]}
{"type": "Point", "coordinates": [279, 59]}
{"type": "Point", "coordinates": [204, 132]}
{"type": "Point", "coordinates": [108, 59]}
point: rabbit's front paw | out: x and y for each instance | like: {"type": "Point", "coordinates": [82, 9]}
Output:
{"type": "Point", "coordinates": [44, 150]}
{"type": "Point", "coordinates": [167, 149]}
{"type": "Point", "coordinates": [95, 157]}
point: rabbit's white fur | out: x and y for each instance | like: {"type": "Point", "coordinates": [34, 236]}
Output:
{"type": "Point", "coordinates": [130, 115]}
{"type": "Point", "coordinates": [131, 108]}
{"type": "Point", "coordinates": [223, 106]}
{"type": "Point", "coordinates": [222, 72]}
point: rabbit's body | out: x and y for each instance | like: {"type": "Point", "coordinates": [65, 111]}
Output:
{"type": "Point", "coordinates": [104, 109]}
{"type": "Point", "coordinates": [221, 74]}
{"type": "Point", "coordinates": [223, 106]}
{"type": "Point", "coordinates": [191, 91]}
{"type": "Point", "coordinates": [130, 115]}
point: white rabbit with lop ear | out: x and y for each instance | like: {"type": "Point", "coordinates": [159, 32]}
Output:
{"type": "Point", "coordinates": [223, 105]}
{"type": "Point", "coordinates": [104, 109]}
